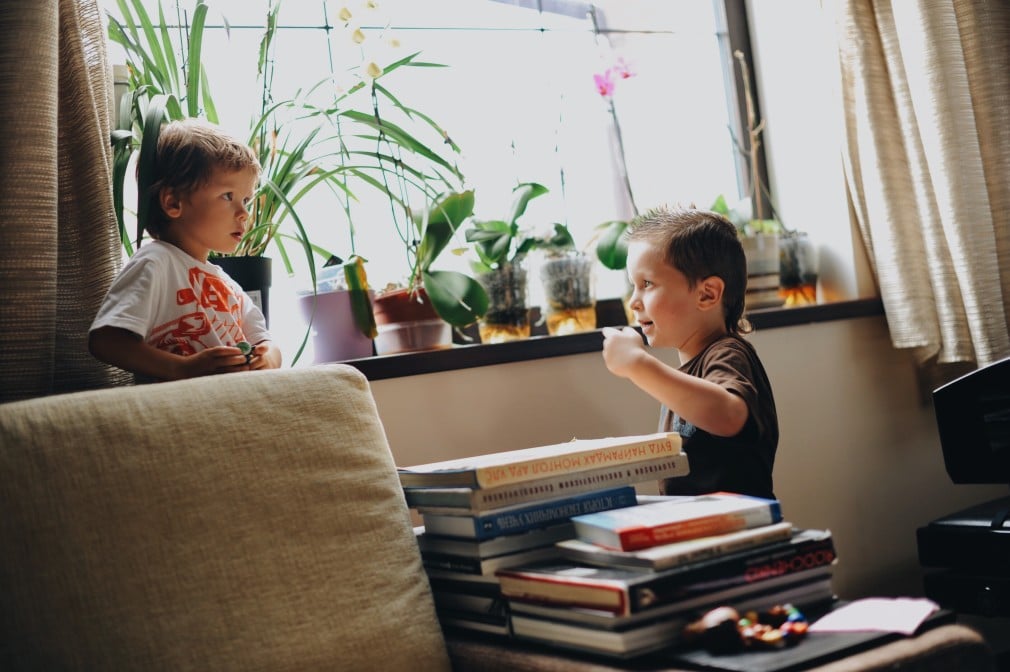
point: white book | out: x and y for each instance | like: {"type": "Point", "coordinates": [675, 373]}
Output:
{"type": "Point", "coordinates": [678, 553]}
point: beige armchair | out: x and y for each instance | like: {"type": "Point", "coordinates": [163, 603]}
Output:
{"type": "Point", "coordinates": [243, 522]}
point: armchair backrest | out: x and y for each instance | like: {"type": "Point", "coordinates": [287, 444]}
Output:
{"type": "Point", "coordinates": [247, 521]}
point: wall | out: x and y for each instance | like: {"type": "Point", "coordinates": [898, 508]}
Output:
{"type": "Point", "coordinates": [858, 451]}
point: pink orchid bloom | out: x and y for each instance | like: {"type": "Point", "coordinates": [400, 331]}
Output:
{"type": "Point", "coordinates": [605, 83]}
{"type": "Point", "coordinates": [623, 68]}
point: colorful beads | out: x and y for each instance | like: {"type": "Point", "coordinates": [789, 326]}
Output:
{"type": "Point", "coordinates": [723, 630]}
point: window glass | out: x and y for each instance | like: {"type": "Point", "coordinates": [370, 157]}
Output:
{"type": "Point", "coordinates": [518, 97]}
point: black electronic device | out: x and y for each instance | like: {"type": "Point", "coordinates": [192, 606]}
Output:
{"type": "Point", "coordinates": [973, 420]}
{"type": "Point", "coordinates": [970, 549]}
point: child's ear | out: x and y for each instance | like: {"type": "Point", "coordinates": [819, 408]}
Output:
{"type": "Point", "coordinates": [170, 202]}
{"type": "Point", "coordinates": [710, 292]}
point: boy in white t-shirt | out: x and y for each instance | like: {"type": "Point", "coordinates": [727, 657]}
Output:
{"type": "Point", "coordinates": [171, 314]}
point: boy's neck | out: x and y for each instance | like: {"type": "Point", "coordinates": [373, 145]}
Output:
{"type": "Point", "coordinates": [205, 259]}
{"type": "Point", "coordinates": [701, 339]}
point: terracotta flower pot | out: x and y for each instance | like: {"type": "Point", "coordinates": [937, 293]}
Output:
{"type": "Point", "coordinates": [406, 322]}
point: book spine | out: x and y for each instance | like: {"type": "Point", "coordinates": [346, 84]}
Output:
{"type": "Point", "coordinates": [746, 569]}
{"type": "Point", "coordinates": [767, 535]}
{"type": "Point", "coordinates": [633, 539]}
{"type": "Point", "coordinates": [496, 475]}
{"type": "Point", "coordinates": [553, 511]}
{"type": "Point", "coordinates": [489, 526]}
{"type": "Point", "coordinates": [477, 500]}
{"type": "Point", "coordinates": [452, 563]}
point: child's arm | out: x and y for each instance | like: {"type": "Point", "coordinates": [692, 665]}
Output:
{"type": "Point", "coordinates": [702, 403]}
{"type": "Point", "coordinates": [129, 352]}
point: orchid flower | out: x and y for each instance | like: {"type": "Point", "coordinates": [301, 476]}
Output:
{"type": "Point", "coordinates": [622, 68]}
{"type": "Point", "coordinates": [605, 83]}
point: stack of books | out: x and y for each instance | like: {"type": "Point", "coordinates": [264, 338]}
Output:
{"type": "Point", "coordinates": [632, 578]}
{"type": "Point", "coordinates": [485, 514]}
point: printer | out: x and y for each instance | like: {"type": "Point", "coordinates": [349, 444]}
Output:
{"type": "Point", "coordinates": [967, 554]}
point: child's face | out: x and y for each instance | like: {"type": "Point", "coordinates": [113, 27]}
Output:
{"type": "Point", "coordinates": [664, 303]}
{"type": "Point", "coordinates": [212, 217]}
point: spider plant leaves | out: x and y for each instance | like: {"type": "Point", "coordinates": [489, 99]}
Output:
{"type": "Point", "coordinates": [457, 298]}
{"type": "Point", "coordinates": [195, 63]}
{"type": "Point", "coordinates": [612, 246]}
{"type": "Point", "coordinates": [398, 135]}
{"type": "Point", "coordinates": [268, 38]}
{"type": "Point", "coordinates": [411, 113]}
{"type": "Point", "coordinates": [154, 117]}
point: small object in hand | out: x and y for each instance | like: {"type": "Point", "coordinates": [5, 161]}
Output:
{"type": "Point", "coordinates": [247, 350]}
{"type": "Point", "coordinates": [722, 630]}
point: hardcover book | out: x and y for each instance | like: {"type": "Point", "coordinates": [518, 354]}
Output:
{"type": "Point", "coordinates": [676, 520]}
{"type": "Point", "coordinates": [678, 553]}
{"type": "Point", "coordinates": [475, 500]}
{"type": "Point", "coordinates": [489, 548]}
{"type": "Point", "coordinates": [486, 566]}
{"type": "Point", "coordinates": [524, 517]}
{"type": "Point", "coordinates": [528, 464]}
{"type": "Point", "coordinates": [804, 589]}
{"type": "Point", "coordinates": [640, 633]}
{"type": "Point", "coordinates": [623, 590]}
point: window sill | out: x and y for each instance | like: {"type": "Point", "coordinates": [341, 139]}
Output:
{"type": "Point", "coordinates": [608, 312]}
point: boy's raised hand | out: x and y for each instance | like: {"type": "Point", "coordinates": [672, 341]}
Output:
{"type": "Point", "coordinates": [621, 349]}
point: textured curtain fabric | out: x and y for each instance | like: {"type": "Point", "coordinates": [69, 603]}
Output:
{"type": "Point", "coordinates": [60, 247]}
{"type": "Point", "coordinates": [926, 95]}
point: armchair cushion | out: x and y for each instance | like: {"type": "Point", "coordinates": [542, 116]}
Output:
{"type": "Point", "coordinates": [250, 521]}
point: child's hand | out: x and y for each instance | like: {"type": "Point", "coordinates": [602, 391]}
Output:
{"type": "Point", "coordinates": [265, 355]}
{"type": "Point", "coordinates": [262, 356]}
{"type": "Point", "coordinates": [219, 359]}
{"type": "Point", "coordinates": [621, 349]}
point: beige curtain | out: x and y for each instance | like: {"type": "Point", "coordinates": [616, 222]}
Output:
{"type": "Point", "coordinates": [60, 248]}
{"type": "Point", "coordinates": [926, 95]}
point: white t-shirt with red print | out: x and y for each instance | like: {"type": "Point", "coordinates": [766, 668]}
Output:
{"type": "Point", "coordinates": [179, 304]}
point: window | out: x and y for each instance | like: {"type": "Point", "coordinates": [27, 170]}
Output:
{"type": "Point", "coordinates": [518, 97]}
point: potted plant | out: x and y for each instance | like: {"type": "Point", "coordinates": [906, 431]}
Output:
{"type": "Point", "coordinates": [380, 145]}
{"type": "Point", "coordinates": [418, 315]}
{"type": "Point", "coordinates": [568, 281]}
{"type": "Point", "coordinates": [501, 252]}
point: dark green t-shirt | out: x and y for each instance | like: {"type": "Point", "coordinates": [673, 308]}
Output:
{"type": "Point", "coordinates": [741, 463]}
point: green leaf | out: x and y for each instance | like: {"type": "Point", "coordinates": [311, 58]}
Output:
{"type": "Point", "coordinates": [612, 246]}
{"type": "Point", "coordinates": [439, 223]}
{"type": "Point", "coordinates": [195, 63]}
{"type": "Point", "coordinates": [720, 206]}
{"type": "Point", "coordinates": [522, 195]}
{"type": "Point", "coordinates": [210, 109]}
{"type": "Point", "coordinates": [457, 298]}
{"type": "Point", "coordinates": [157, 114]}
{"type": "Point", "coordinates": [561, 240]}
{"type": "Point", "coordinates": [361, 306]}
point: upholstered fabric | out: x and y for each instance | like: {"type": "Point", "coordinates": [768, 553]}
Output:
{"type": "Point", "coordinates": [243, 522]}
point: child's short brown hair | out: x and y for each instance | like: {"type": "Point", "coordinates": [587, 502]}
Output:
{"type": "Point", "coordinates": [700, 244]}
{"type": "Point", "coordinates": [188, 151]}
